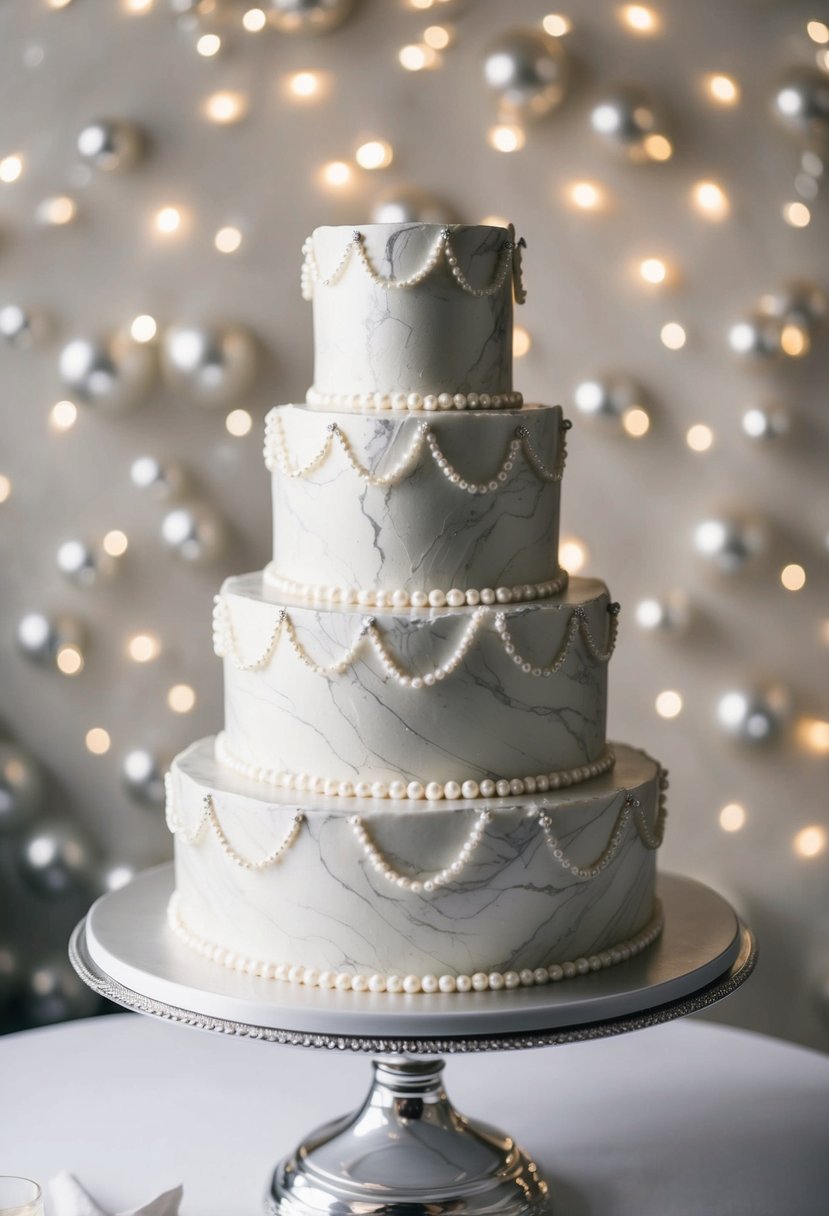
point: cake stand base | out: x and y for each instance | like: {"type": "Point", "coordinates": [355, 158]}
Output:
{"type": "Point", "coordinates": [406, 1151]}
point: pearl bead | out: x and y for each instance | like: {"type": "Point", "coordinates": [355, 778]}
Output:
{"type": "Point", "coordinates": [496, 980]}
{"type": "Point", "coordinates": [414, 401]}
{"type": "Point", "coordinates": [541, 975]}
{"type": "Point", "coordinates": [437, 599]}
{"type": "Point", "coordinates": [480, 981]}
{"type": "Point", "coordinates": [397, 789]}
{"type": "Point", "coordinates": [455, 598]}
{"type": "Point", "coordinates": [359, 983]}
{"type": "Point", "coordinates": [451, 789]}
{"type": "Point", "coordinates": [377, 983]}
{"type": "Point", "coordinates": [345, 789]}
{"type": "Point", "coordinates": [429, 983]}
{"type": "Point", "coordinates": [415, 790]}
{"type": "Point", "coordinates": [327, 979]}
{"type": "Point", "coordinates": [487, 788]}
{"type": "Point", "coordinates": [400, 598]}
{"type": "Point", "coordinates": [343, 982]}
{"type": "Point", "coordinates": [459, 401]}
{"type": "Point", "coordinates": [470, 789]}
{"type": "Point", "coordinates": [463, 983]}
{"type": "Point", "coordinates": [379, 789]}
{"type": "Point", "coordinates": [487, 596]}
{"type": "Point", "coordinates": [555, 972]}
{"type": "Point", "coordinates": [502, 788]}
{"type": "Point", "coordinates": [430, 402]}
{"type": "Point", "coordinates": [503, 595]}
{"type": "Point", "coordinates": [445, 401]}
{"type": "Point", "coordinates": [398, 401]}
{"type": "Point", "coordinates": [411, 983]}
{"type": "Point", "coordinates": [512, 979]}
{"type": "Point", "coordinates": [447, 983]}
{"type": "Point", "coordinates": [362, 789]}
{"type": "Point", "coordinates": [516, 786]}
{"type": "Point", "coordinates": [419, 599]}
{"type": "Point", "coordinates": [434, 791]}
{"type": "Point", "coordinates": [473, 598]}
{"type": "Point", "coordinates": [394, 983]}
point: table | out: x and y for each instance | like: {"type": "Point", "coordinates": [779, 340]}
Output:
{"type": "Point", "coordinates": [686, 1119]}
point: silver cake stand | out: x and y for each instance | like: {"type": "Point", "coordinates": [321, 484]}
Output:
{"type": "Point", "coordinates": [407, 1151]}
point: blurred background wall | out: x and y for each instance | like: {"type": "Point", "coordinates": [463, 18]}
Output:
{"type": "Point", "coordinates": [161, 163]}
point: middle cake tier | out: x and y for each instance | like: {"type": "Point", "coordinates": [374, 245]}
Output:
{"type": "Point", "coordinates": [415, 703]}
{"type": "Point", "coordinates": [376, 507]}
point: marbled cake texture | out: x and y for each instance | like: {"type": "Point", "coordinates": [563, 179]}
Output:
{"type": "Point", "coordinates": [324, 906]}
{"type": "Point", "coordinates": [430, 338]}
{"type": "Point", "coordinates": [488, 718]}
{"type": "Point", "coordinates": [422, 532]}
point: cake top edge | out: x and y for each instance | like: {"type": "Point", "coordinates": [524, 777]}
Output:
{"type": "Point", "coordinates": [389, 229]}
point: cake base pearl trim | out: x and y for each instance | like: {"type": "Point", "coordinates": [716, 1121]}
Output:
{"type": "Point", "coordinates": [480, 981]}
{"type": "Point", "coordinates": [399, 597]}
{"type": "Point", "coordinates": [413, 402]}
{"type": "Point", "coordinates": [210, 819]}
{"type": "Point", "coordinates": [312, 277]}
{"type": "Point", "coordinates": [277, 457]}
{"type": "Point", "coordinates": [225, 644]}
{"type": "Point", "coordinates": [402, 789]}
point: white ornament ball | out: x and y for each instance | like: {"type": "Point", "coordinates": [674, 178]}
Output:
{"type": "Point", "coordinates": [194, 533]}
{"type": "Point", "coordinates": [757, 338]}
{"type": "Point", "coordinates": [754, 715]}
{"type": "Point", "coordinates": [730, 541]}
{"type": "Point", "coordinates": [163, 479]}
{"type": "Point", "coordinates": [113, 373]}
{"type": "Point", "coordinates": [54, 860]}
{"type": "Point", "coordinates": [801, 103]}
{"type": "Point", "coordinates": [113, 875]}
{"type": "Point", "coordinates": [39, 637]}
{"type": "Point", "coordinates": [765, 422]}
{"type": "Point", "coordinates": [215, 364]}
{"type": "Point", "coordinates": [20, 328]}
{"type": "Point", "coordinates": [624, 117]}
{"type": "Point", "coordinates": [111, 145]}
{"type": "Point", "coordinates": [607, 398]}
{"type": "Point", "coordinates": [410, 205]}
{"type": "Point", "coordinates": [669, 613]}
{"type": "Point", "coordinates": [83, 564]}
{"type": "Point", "coordinates": [797, 302]}
{"type": "Point", "coordinates": [142, 773]}
{"type": "Point", "coordinates": [529, 71]}
{"type": "Point", "coordinates": [21, 788]}
{"type": "Point", "coordinates": [308, 16]}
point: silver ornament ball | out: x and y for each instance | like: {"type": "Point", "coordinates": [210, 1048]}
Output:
{"type": "Point", "coordinates": [54, 860]}
{"type": "Point", "coordinates": [800, 102]}
{"type": "Point", "coordinates": [111, 145]}
{"type": "Point", "coordinates": [607, 398]}
{"type": "Point", "coordinates": [755, 715]}
{"type": "Point", "coordinates": [625, 117]}
{"type": "Point", "coordinates": [308, 16]}
{"type": "Point", "coordinates": [730, 541]}
{"type": "Point", "coordinates": [194, 533]}
{"type": "Point", "coordinates": [765, 422]}
{"type": "Point", "coordinates": [757, 338]}
{"type": "Point", "coordinates": [113, 876]}
{"type": "Point", "coordinates": [39, 637]}
{"type": "Point", "coordinates": [52, 992]}
{"type": "Point", "coordinates": [142, 773]}
{"type": "Point", "coordinates": [19, 327]}
{"type": "Point", "coordinates": [214, 363]}
{"type": "Point", "coordinates": [114, 373]}
{"type": "Point", "coordinates": [21, 788]}
{"type": "Point", "coordinates": [529, 71]}
{"type": "Point", "coordinates": [164, 480]}
{"type": "Point", "coordinates": [669, 613]}
{"type": "Point", "coordinates": [83, 564]}
{"type": "Point", "coordinates": [410, 205]}
{"type": "Point", "coordinates": [797, 302]}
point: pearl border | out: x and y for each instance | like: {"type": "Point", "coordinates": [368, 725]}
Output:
{"type": "Point", "coordinates": [413, 402]}
{"type": "Point", "coordinates": [480, 981]}
{"type": "Point", "coordinates": [400, 790]}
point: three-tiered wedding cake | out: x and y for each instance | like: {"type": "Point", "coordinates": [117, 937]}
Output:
{"type": "Point", "coordinates": [413, 791]}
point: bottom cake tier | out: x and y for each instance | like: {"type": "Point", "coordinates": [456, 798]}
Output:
{"type": "Point", "coordinates": [409, 898]}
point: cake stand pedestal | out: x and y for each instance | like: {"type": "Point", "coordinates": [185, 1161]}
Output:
{"type": "Point", "coordinates": [406, 1151]}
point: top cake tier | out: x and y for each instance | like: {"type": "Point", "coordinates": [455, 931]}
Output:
{"type": "Point", "coordinates": [412, 316]}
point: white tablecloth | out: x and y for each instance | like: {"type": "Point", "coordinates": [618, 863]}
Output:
{"type": "Point", "coordinates": [688, 1119]}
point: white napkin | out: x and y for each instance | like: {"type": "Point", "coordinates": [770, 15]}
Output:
{"type": "Point", "coordinates": [68, 1198]}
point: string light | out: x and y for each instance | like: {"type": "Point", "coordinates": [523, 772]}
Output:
{"type": "Point", "coordinates": [10, 168]}
{"type": "Point", "coordinates": [374, 154]}
{"type": "Point", "coordinates": [797, 215]}
{"type": "Point", "coordinates": [63, 415]}
{"type": "Point", "coordinates": [653, 270]}
{"type": "Point", "coordinates": [168, 220]}
{"type": "Point", "coordinates": [506, 137]}
{"type": "Point", "coordinates": [414, 58]}
{"type": "Point", "coordinates": [494, 221]}
{"type": "Point", "coordinates": [144, 328]}
{"type": "Point", "coordinates": [732, 817]}
{"type": "Point", "coordinates": [56, 211]}
{"type": "Point", "coordinates": [710, 200]}
{"type": "Point", "coordinates": [668, 703]}
{"type": "Point", "coordinates": [98, 741]}
{"type": "Point", "coordinates": [793, 577]}
{"type": "Point", "coordinates": [336, 173]}
{"type": "Point", "coordinates": [228, 239]}
{"type": "Point", "coordinates": [818, 31]}
{"type": "Point", "coordinates": [137, 8]}
{"type": "Point", "coordinates": [254, 20]}
{"type": "Point", "coordinates": [225, 107]}
{"type": "Point", "coordinates": [521, 342]}
{"type": "Point", "coordinates": [809, 842]}
{"type": "Point", "coordinates": [824, 632]}
{"type": "Point", "coordinates": [69, 659]}
{"type": "Point", "coordinates": [181, 698]}
{"type": "Point", "coordinates": [723, 90]}
{"type": "Point", "coordinates": [304, 85]}
{"type": "Point", "coordinates": [5, 488]}
{"type": "Point", "coordinates": [658, 147]}
{"type": "Point", "coordinates": [673, 335]}
{"type": "Point", "coordinates": [238, 423]}
{"type": "Point", "coordinates": [794, 341]}
{"type": "Point", "coordinates": [209, 45]}
{"type": "Point", "coordinates": [699, 437]}
{"type": "Point", "coordinates": [115, 543]}
{"type": "Point", "coordinates": [438, 37]}
{"type": "Point", "coordinates": [640, 19]}
{"type": "Point", "coordinates": [556, 25]}
{"type": "Point", "coordinates": [813, 735]}
{"type": "Point", "coordinates": [572, 555]}
{"type": "Point", "coordinates": [143, 647]}
{"type": "Point", "coordinates": [58, 4]}
{"type": "Point", "coordinates": [636, 422]}
{"type": "Point", "coordinates": [587, 196]}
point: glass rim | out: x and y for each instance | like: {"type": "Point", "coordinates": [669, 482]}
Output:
{"type": "Point", "coordinates": [38, 1189]}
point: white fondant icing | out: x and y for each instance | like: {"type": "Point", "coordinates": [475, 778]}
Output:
{"type": "Point", "coordinates": [424, 532]}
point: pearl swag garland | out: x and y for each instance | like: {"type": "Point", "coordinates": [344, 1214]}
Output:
{"type": "Point", "coordinates": [413, 401]}
{"type": "Point", "coordinates": [208, 817]}
{"type": "Point", "coordinates": [510, 261]}
{"type": "Point", "coordinates": [277, 457]}
{"type": "Point", "coordinates": [480, 981]}
{"type": "Point", "coordinates": [399, 789]}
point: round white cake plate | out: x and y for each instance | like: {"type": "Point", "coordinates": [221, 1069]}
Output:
{"type": "Point", "coordinates": [406, 1151]}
